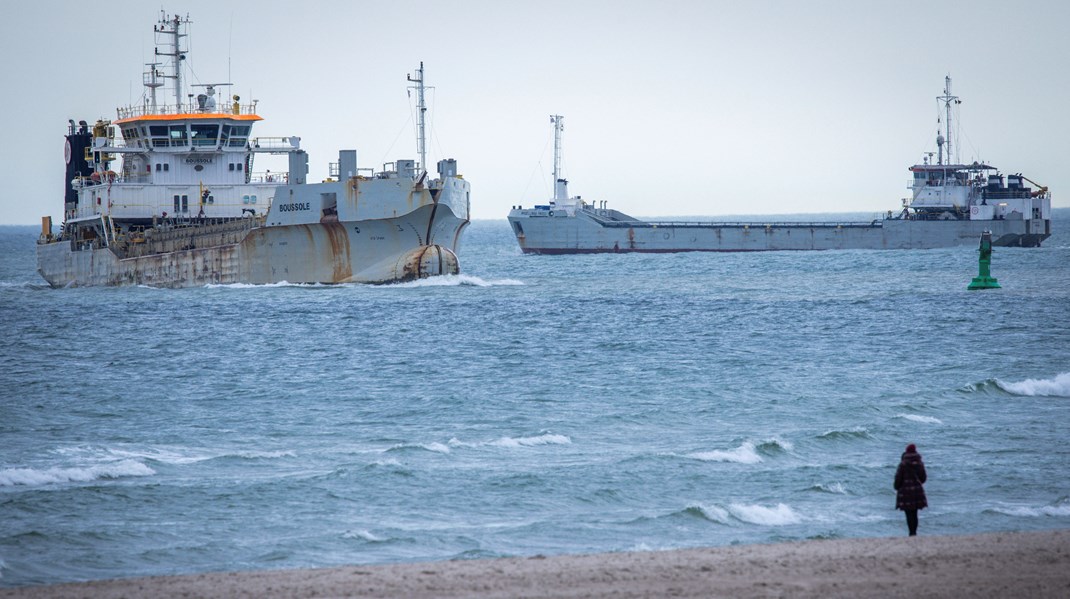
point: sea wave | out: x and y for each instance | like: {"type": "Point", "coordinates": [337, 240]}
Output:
{"type": "Point", "coordinates": [778, 515]}
{"type": "Point", "coordinates": [33, 477]}
{"type": "Point", "coordinates": [363, 535]}
{"type": "Point", "coordinates": [180, 456]}
{"type": "Point", "coordinates": [744, 454]}
{"type": "Point", "coordinates": [713, 513]}
{"type": "Point", "coordinates": [1054, 387]}
{"type": "Point", "coordinates": [543, 439]}
{"type": "Point", "coordinates": [434, 447]}
{"type": "Point", "coordinates": [455, 281]}
{"type": "Point", "coordinates": [858, 432]}
{"type": "Point", "coordinates": [919, 418]}
{"type": "Point", "coordinates": [1058, 510]}
{"type": "Point", "coordinates": [834, 488]}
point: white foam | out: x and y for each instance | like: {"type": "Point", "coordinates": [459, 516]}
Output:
{"type": "Point", "coordinates": [744, 454]}
{"type": "Point", "coordinates": [260, 286]}
{"type": "Point", "coordinates": [713, 513]}
{"type": "Point", "coordinates": [1056, 387]}
{"type": "Point", "coordinates": [455, 281]}
{"type": "Point", "coordinates": [836, 488]}
{"type": "Point", "coordinates": [187, 456]}
{"type": "Point", "coordinates": [362, 534]}
{"type": "Point", "coordinates": [544, 439]}
{"type": "Point", "coordinates": [32, 477]}
{"type": "Point", "coordinates": [919, 418]}
{"type": "Point", "coordinates": [778, 515]}
{"type": "Point", "coordinates": [777, 442]}
{"type": "Point", "coordinates": [1056, 511]}
{"type": "Point", "coordinates": [436, 447]}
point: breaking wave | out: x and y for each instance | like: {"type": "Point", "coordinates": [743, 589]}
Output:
{"type": "Point", "coordinates": [455, 281]}
{"type": "Point", "coordinates": [544, 439]}
{"type": "Point", "coordinates": [1058, 510]}
{"type": "Point", "coordinates": [32, 477]}
{"type": "Point", "coordinates": [744, 454]}
{"type": "Point", "coordinates": [749, 452]}
{"type": "Point", "coordinates": [919, 418]}
{"type": "Point", "coordinates": [179, 456]}
{"type": "Point", "coordinates": [713, 513]}
{"type": "Point", "coordinates": [778, 515]}
{"type": "Point", "coordinates": [1055, 387]}
{"type": "Point", "coordinates": [834, 488]}
{"type": "Point", "coordinates": [363, 535]}
{"type": "Point", "coordinates": [858, 432]}
{"type": "Point", "coordinates": [434, 447]}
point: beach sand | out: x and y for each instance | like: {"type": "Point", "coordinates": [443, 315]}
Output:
{"type": "Point", "coordinates": [1033, 564]}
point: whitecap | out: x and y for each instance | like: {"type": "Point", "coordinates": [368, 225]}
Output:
{"type": "Point", "coordinates": [858, 432]}
{"type": "Point", "coordinates": [775, 444]}
{"type": "Point", "coordinates": [777, 515]}
{"type": "Point", "coordinates": [33, 477]}
{"type": "Point", "coordinates": [834, 488]}
{"type": "Point", "coordinates": [436, 447]}
{"type": "Point", "coordinates": [363, 535]}
{"type": "Point", "coordinates": [712, 513]}
{"type": "Point", "coordinates": [1055, 511]}
{"type": "Point", "coordinates": [455, 281]}
{"type": "Point", "coordinates": [919, 418]}
{"type": "Point", "coordinates": [1056, 387]}
{"type": "Point", "coordinates": [544, 439]}
{"type": "Point", "coordinates": [744, 454]}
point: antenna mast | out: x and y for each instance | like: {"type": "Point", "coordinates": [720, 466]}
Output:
{"type": "Point", "coordinates": [421, 141]}
{"type": "Point", "coordinates": [172, 27]}
{"type": "Point", "coordinates": [948, 99]}
{"type": "Point", "coordinates": [560, 191]}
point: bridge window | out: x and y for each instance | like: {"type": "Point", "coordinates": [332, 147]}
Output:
{"type": "Point", "coordinates": [238, 135]}
{"type": "Point", "coordinates": [177, 134]}
{"type": "Point", "coordinates": [204, 135]}
{"type": "Point", "coordinates": [159, 136]}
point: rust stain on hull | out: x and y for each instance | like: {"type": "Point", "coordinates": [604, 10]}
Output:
{"type": "Point", "coordinates": [341, 259]}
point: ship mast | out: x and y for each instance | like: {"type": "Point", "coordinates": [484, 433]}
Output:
{"type": "Point", "coordinates": [947, 99]}
{"type": "Point", "coordinates": [172, 27]}
{"type": "Point", "coordinates": [421, 141]}
{"type": "Point", "coordinates": [560, 191]}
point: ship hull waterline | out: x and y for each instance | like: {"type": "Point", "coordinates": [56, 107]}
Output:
{"type": "Point", "coordinates": [579, 235]}
{"type": "Point", "coordinates": [368, 251]}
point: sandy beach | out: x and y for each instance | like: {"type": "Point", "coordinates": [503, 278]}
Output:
{"type": "Point", "coordinates": [1033, 564]}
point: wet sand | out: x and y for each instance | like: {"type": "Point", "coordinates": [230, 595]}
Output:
{"type": "Point", "coordinates": [1034, 564]}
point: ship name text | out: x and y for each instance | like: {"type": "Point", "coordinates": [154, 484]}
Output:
{"type": "Point", "coordinates": [294, 207]}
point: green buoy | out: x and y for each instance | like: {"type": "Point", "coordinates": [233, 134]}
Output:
{"type": "Point", "coordinates": [984, 278]}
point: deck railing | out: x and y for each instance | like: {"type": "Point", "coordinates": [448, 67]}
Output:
{"type": "Point", "coordinates": [126, 112]}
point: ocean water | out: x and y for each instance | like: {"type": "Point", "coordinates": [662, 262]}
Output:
{"type": "Point", "coordinates": [533, 405]}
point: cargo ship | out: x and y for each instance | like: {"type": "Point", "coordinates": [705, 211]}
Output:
{"type": "Point", "coordinates": [167, 195]}
{"type": "Point", "coordinates": [952, 204]}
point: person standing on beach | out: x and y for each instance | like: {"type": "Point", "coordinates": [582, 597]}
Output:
{"type": "Point", "coordinates": [909, 478]}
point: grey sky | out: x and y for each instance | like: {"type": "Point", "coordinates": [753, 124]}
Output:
{"type": "Point", "coordinates": [671, 107]}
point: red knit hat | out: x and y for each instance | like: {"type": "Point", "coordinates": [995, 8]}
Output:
{"type": "Point", "coordinates": [911, 448]}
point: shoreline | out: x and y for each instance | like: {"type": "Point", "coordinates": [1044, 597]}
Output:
{"type": "Point", "coordinates": [1001, 564]}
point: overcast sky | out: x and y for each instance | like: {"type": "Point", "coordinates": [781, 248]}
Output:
{"type": "Point", "coordinates": [671, 108]}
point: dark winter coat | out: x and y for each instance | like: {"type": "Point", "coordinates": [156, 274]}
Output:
{"type": "Point", "coordinates": [909, 478]}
